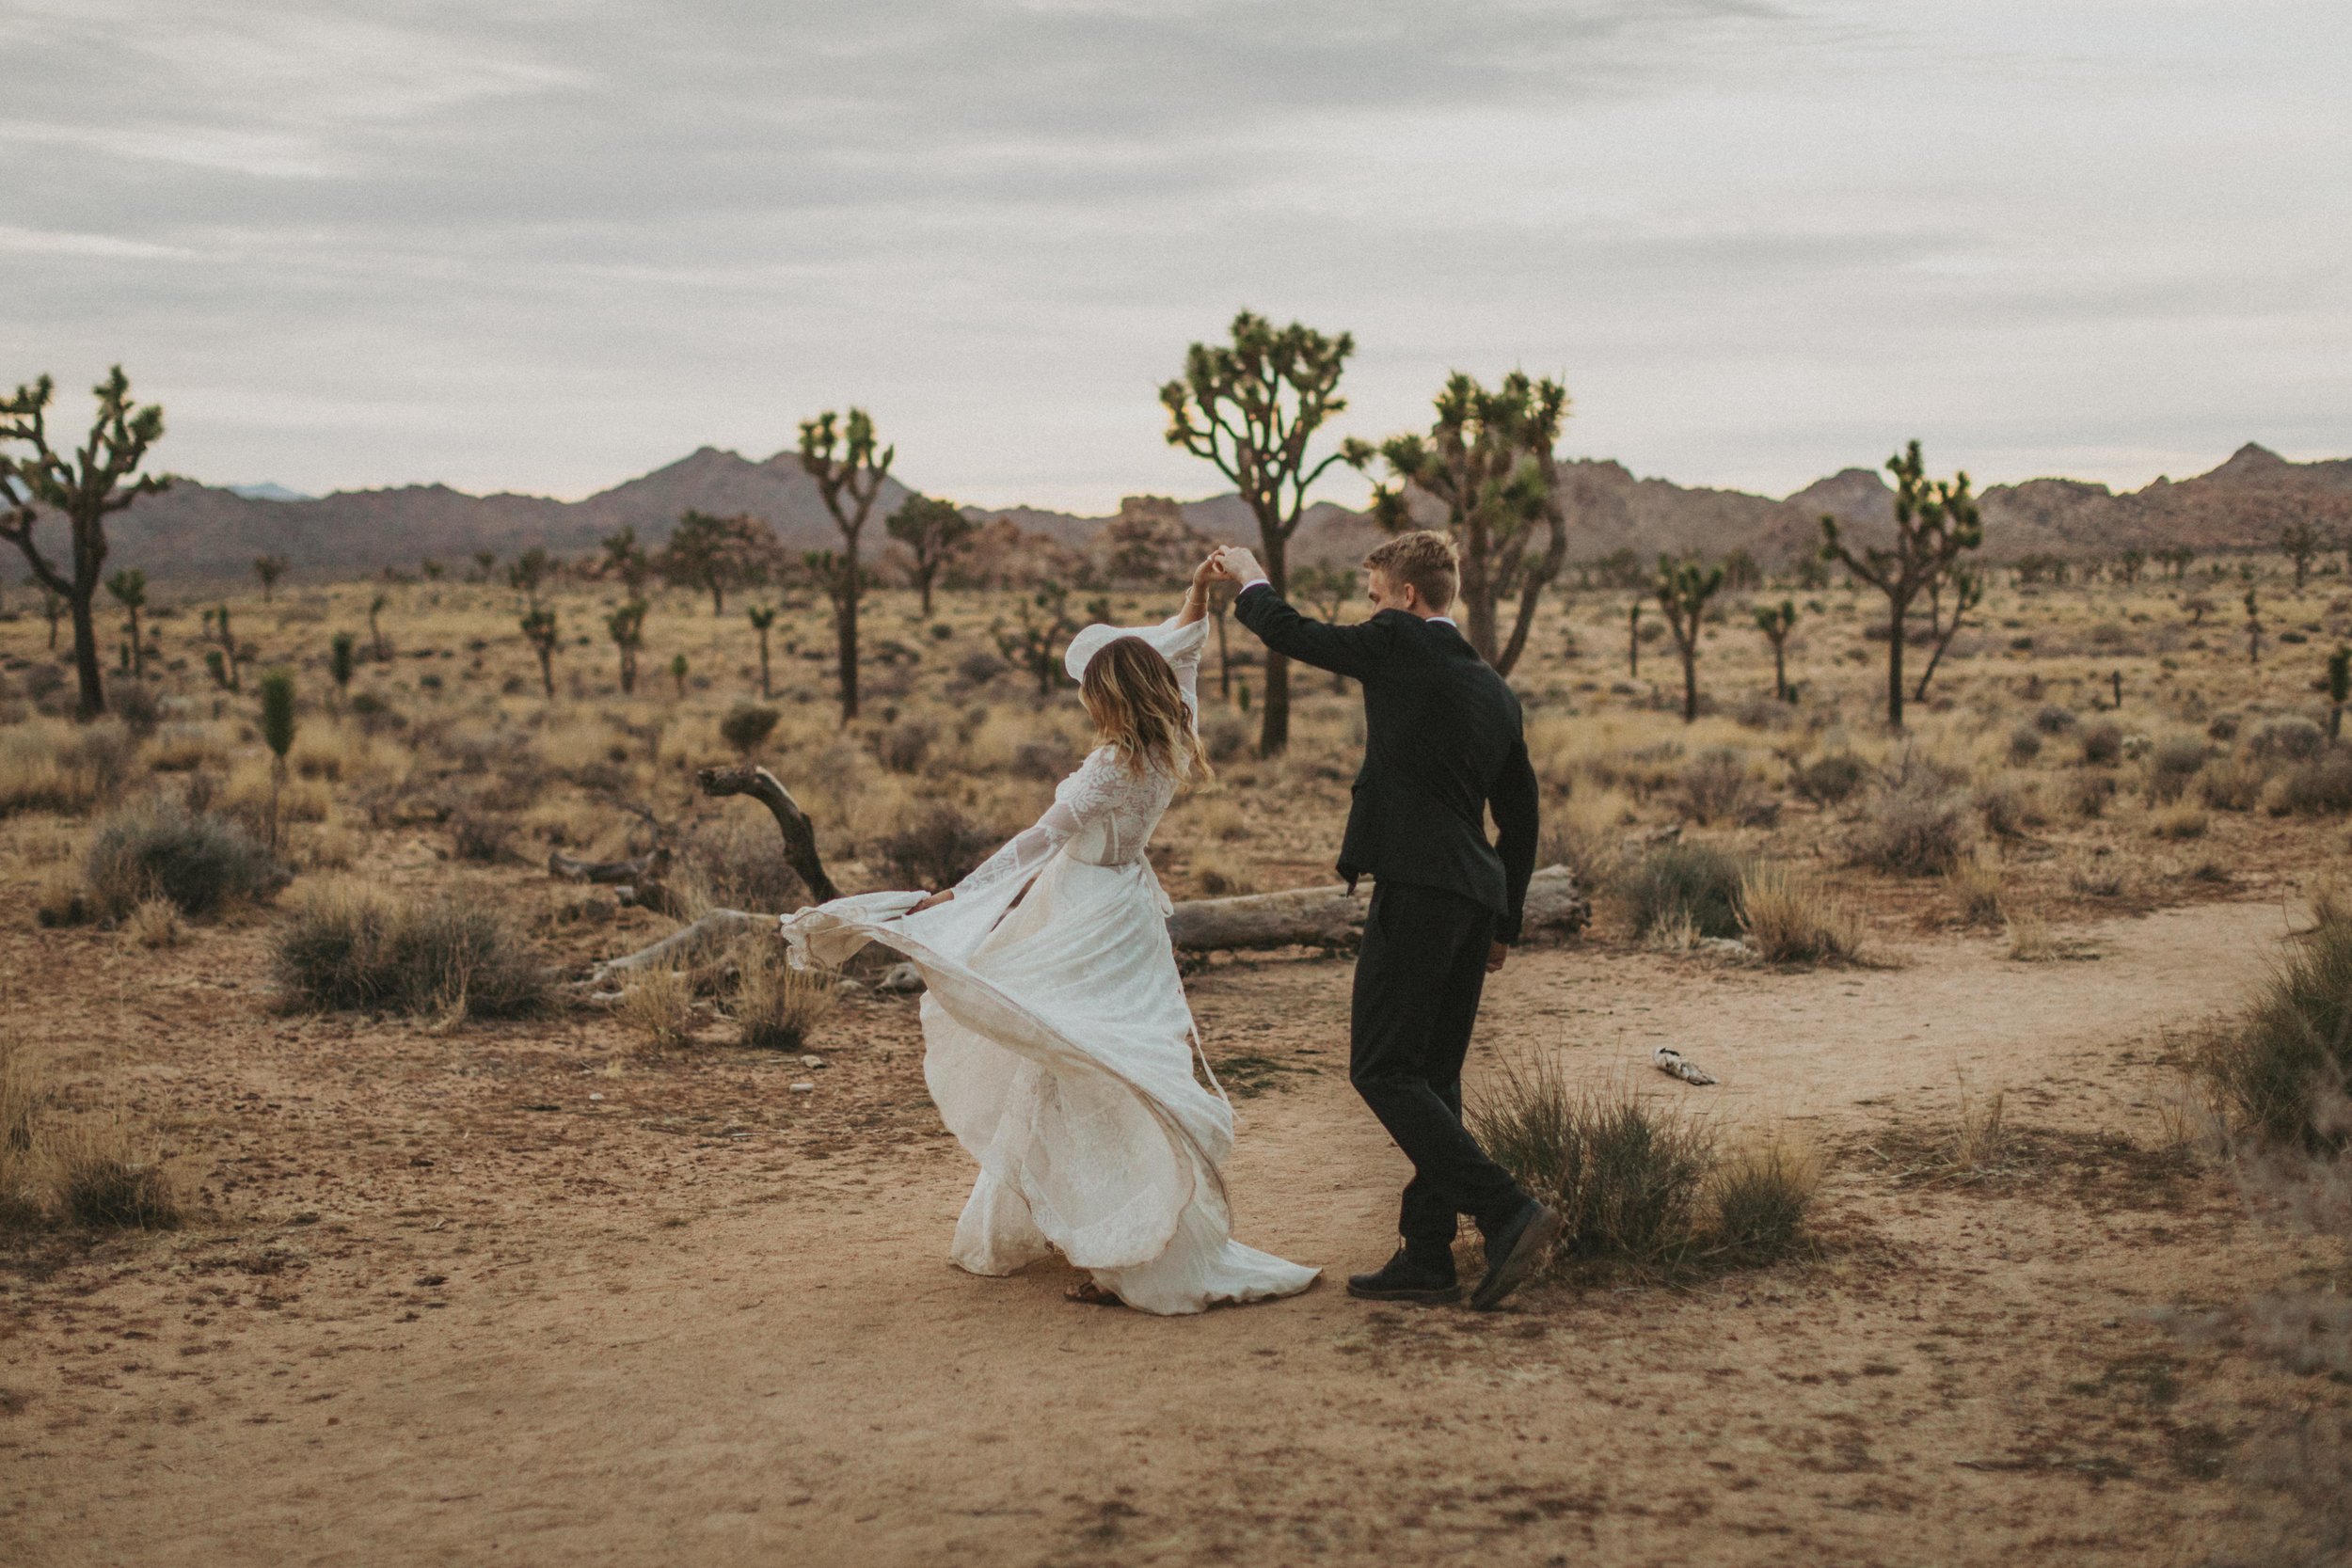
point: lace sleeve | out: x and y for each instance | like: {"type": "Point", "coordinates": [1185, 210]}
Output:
{"type": "Point", "coordinates": [1183, 646]}
{"type": "Point", "coordinates": [1081, 798]}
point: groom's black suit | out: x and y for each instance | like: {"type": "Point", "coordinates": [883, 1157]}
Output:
{"type": "Point", "coordinates": [1442, 745]}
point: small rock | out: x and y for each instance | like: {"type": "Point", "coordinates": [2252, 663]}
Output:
{"type": "Point", "coordinates": [812, 1061]}
{"type": "Point", "coordinates": [596, 1097]}
{"type": "Point", "coordinates": [900, 980]}
{"type": "Point", "coordinates": [846, 987]}
{"type": "Point", "coordinates": [803, 1086]}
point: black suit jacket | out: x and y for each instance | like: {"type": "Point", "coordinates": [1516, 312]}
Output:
{"type": "Point", "coordinates": [1442, 743]}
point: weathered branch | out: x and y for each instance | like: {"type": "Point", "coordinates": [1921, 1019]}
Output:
{"type": "Point", "coordinates": [718, 927]}
{"type": "Point", "coordinates": [1331, 917]}
{"type": "Point", "coordinates": [800, 833]}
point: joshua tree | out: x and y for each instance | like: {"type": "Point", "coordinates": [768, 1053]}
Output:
{"type": "Point", "coordinates": [1328, 589]}
{"type": "Point", "coordinates": [2254, 625]}
{"type": "Point", "coordinates": [375, 626]}
{"type": "Point", "coordinates": [1683, 589]}
{"type": "Point", "coordinates": [1487, 459]}
{"type": "Point", "coordinates": [677, 675]}
{"type": "Point", "coordinates": [2198, 607]}
{"type": "Point", "coordinates": [92, 482]}
{"type": "Point", "coordinates": [431, 568]}
{"type": "Point", "coordinates": [1968, 593]}
{"type": "Point", "coordinates": [269, 568]}
{"type": "Point", "coordinates": [1251, 407]}
{"type": "Point", "coordinates": [342, 659]}
{"type": "Point", "coordinates": [932, 529]}
{"type": "Point", "coordinates": [2338, 688]}
{"type": "Point", "coordinates": [129, 588]}
{"type": "Point", "coordinates": [277, 733]}
{"type": "Point", "coordinates": [626, 559]}
{"type": "Point", "coordinates": [715, 555]}
{"type": "Point", "coordinates": [2129, 564]}
{"type": "Point", "coordinates": [222, 658]}
{"type": "Point", "coordinates": [1934, 521]}
{"type": "Point", "coordinates": [762, 617]}
{"type": "Point", "coordinates": [627, 627]}
{"type": "Point", "coordinates": [2300, 540]}
{"type": "Point", "coordinates": [538, 625]}
{"type": "Point", "coordinates": [527, 571]}
{"type": "Point", "coordinates": [1035, 641]}
{"type": "Point", "coordinates": [841, 456]}
{"type": "Point", "coordinates": [1633, 640]}
{"type": "Point", "coordinates": [1742, 573]}
{"type": "Point", "coordinates": [1776, 622]}
{"type": "Point", "coordinates": [2179, 559]}
{"type": "Point", "coordinates": [485, 563]}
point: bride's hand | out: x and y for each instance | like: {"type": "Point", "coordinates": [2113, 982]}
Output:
{"type": "Point", "coordinates": [933, 901]}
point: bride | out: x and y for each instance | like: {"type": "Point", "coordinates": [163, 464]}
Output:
{"type": "Point", "coordinates": [1058, 1045]}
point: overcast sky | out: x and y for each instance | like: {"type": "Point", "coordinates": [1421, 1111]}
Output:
{"type": "Point", "coordinates": [548, 245]}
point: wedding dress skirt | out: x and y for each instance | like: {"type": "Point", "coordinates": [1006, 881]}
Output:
{"type": "Point", "coordinates": [1059, 1047]}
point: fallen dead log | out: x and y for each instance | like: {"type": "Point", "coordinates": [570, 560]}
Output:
{"type": "Point", "coordinates": [1333, 917]}
{"type": "Point", "coordinates": [687, 942]}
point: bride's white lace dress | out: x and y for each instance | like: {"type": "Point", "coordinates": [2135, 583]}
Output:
{"type": "Point", "coordinates": [1058, 1045]}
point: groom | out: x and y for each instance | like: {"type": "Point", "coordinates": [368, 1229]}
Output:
{"type": "Point", "coordinates": [1442, 745]}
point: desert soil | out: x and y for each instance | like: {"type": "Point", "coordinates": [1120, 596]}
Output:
{"type": "Point", "coordinates": [513, 1296]}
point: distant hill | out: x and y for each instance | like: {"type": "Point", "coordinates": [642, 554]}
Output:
{"type": "Point", "coordinates": [198, 530]}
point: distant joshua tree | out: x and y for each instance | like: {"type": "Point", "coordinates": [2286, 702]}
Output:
{"type": "Point", "coordinates": [626, 559]}
{"type": "Point", "coordinates": [376, 606]}
{"type": "Point", "coordinates": [1935, 522]}
{"type": "Point", "coordinates": [1251, 407]}
{"type": "Point", "coordinates": [2300, 540]}
{"type": "Point", "coordinates": [1633, 640]}
{"type": "Point", "coordinates": [129, 588]}
{"type": "Point", "coordinates": [848, 465]}
{"type": "Point", "coordinates": [1328, 589]}
{"type": "Point", "coordinates": [528, 572]}
{"type": "Point", "coordinates": [342, 661]}
{"type": "Point", "coordinates": [223, 657]}
{"type": "Point", "coordinates": [2129, 564]}
{"type": "Point", "coordinates": [278, 734]}
{"type": "Point", "coordinates": [432, 569]}
{"type": "Point", "coordinates": [1776, 622]}
{"type": "Point", "coordinates": [539, 630]}
{"type": "Point", "coordinates": [485, 564]}
{"type": "Point", "coordinates": [1683, 589]}
{"type": "Point", "coordinates": [677, 675]}
{"type": "Point", "coordinates": [269, 568]}
{"type": "Point", "coordinates": [627, 627]}
{"type": "Point", "coordinates": [762, 617]}
{"type": "Point", "coordinates": [932, 530]}
{"type": "Point", "coordinates": [2253, 624]}
{"type": "Point", "coordinates": [1034, 643]}
{"type": "Point", "coordinates": [88, 485]}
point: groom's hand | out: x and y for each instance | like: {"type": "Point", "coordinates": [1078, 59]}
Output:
{"type": "Point", "coordinates": [1496, 954]}
{"type": "Point", "coordinates": [1236, 564]}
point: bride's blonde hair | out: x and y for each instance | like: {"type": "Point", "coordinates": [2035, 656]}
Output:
{"type": "Point", "coordinates": [1138, 709]}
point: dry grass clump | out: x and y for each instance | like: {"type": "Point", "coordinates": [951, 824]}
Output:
{"type": "Point", "coordinates": [2102, 742]}
{"type": "Point", "coordinates": [659, 1008]}
{"type": "Point", "coordinates": [49, 764]}
{"type": "Point", "coordinates": [2231, 783]}
{"type": "Point", "coordinates": [198, 861]}
{"type": "Point", "coordinates": [2282, 1070]}
{"type": "Point", "coordinates": [2320, 786]}
{"type": "Point", "coordinates": [1636, 1180]}
{"type": "Point", "coordinates": [1830, 779]}
{"type": "Point", "coordinates": [20, 1100]}
{"type": "Point", "coordinates": [1976, 880]}
{"type": "Point", "coordinates": [2172, 763]}
{"type": "Point", "coordinates": [2180, 820]}
{"type": "Point", "coordinates": [1719, 785]}
{"type": "Point", "coordinates": [1919, 828]}
{"type": "Point", "coordinates": [154, 923]}
{"type": "Point", "coordinates": [355, 947]}
{"type": "Point", "coordinates": [2030, 941]}
{"type": "Point", "coordinates": [1678, 885]}
{"type": "Point", "coordinates": [1978, 1142]}
{"type": "Point", "coordinates": [106, 1182]}
{"type": "Point", "coordinates": [778, 1007]}
{"type": "Point", "coordinates": [1793, 920]}
{"type": "Point", "coordinates": [1222, 874]}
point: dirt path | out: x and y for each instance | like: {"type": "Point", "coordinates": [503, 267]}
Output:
{"type": "Point", "coordinates": [612, 1345]}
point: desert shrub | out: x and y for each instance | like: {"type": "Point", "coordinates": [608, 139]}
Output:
{"type": "Point", "coordinates": [1917, 830]}
{"type": "Point", "coordinates": [1048, 758]}
{"type": "Point", "coordinates": [2232, 784]}
{"type": "Point", "coordinates": [2102, 742]}
{"type": "Point", "coordinates": [1830, 778]}
{"type": "Point", "coordinates": [137, 705]}
{"type": "Point", "coordinates": [1794, 920]}
{"type": "Point", "coordinates": [2173, 762]}
{"type": "Point", "coordinates": [2180, 820]}
{"type": "Point", "coordinates": [105, 1184]}
{"type": "Point", "coordinates": [657, 1006]}
{"type": "Point", "coordinates": [2224, 727]}
{"type": "Point", "coordinates": [2280, 1070]}
{"type": "Point", "coordinates": [2053, 718]}
{"type": "Point", "coordinates": [1673, 884]}
{"type": "Point", "coordinates": [937, 849]}
{"type": "Point", "coordinates": [904, 747]}
{"type": "Point", "coordinates": [2087, 794]}
{"type": "Point", "coordinates": [2009, 807]}
{"type": "Point", "coordinates": [481, 837]}
{"type": "Point", "coordinates": [20, 1101]}
{"type": "Point", "coordinates": [1760, 1194]}
{"type": "Point", "coordinates": [777, 1006]}
{"type": "Point", "coordinates": [1585, 847]}
{"type": "Point", "coordinates": [2321, 785]}
{"type": "Point", "coordinates": [736, 862]}
{"type": "Point", "coordinates": [2025, 744]}
{"type": "Point", "coordinates": [1719, 786]}
{"type": "Point", "coordinates": [747, 726]}
{"type": "Point", "coordinates": [1975, 881]}
{"type": "Point", "coordinates": [198, 861]}
{"type": "Point", "coordinates": [1225, 734]}
{"type": "Point", "coordinates": [365, 949]}
{"type": "Point", "coordinates": [979, 667]}
{"type": "Point", "coordinates": [2292, 739]}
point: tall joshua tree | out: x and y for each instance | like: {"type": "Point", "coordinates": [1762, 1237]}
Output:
{"type": "Point", "coordinates": [762, 617]}
{"type": "Point", "coordinates": [1935, 521]}
{"type": "Point", "coordinates": [269, 568]}
{"type": "Point", "coordinates": [932, 529]}
{"type": "Point", "coordinates": [1252, 408]}
{"type": "Point", "coordinates": [1488, 460]}
{"type": "Point", "coordinates": [716, 555]}
{"type": "Point", "coordinates": [129, 588]}
{"type": "Point", "coordinates": [88, 485]}
{"type": "Point", "coordinates": [1776, 622]}
{"type": "Point", "coordinates": [843, 457]}
{"type": "Point", "coordinates": [1683, 589]}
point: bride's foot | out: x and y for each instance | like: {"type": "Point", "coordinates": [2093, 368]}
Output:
{"type": "Point", "coordinates": [1088, 1294]}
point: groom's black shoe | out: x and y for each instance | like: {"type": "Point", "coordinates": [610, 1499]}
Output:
{"type": "Point", "coordinates": [1513, 1252]}
{"type": "Point", "coordinates": [1401, 1279]}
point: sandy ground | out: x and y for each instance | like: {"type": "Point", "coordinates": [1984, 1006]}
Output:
{"type": "Point", "coordinates": [450, 1307]}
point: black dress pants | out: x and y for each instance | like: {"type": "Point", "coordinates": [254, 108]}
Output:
{"type": "Point", "coordinates": [1419, 976]}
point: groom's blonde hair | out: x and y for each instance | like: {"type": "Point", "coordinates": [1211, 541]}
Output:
{"type": "Point", "coordinates": [1423, 558]}
{"type": "Point", "coordinates": [1138, 709]}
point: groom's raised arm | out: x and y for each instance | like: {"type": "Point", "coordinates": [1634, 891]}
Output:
{"type": "Point", "coordinates": [1342, 650]}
